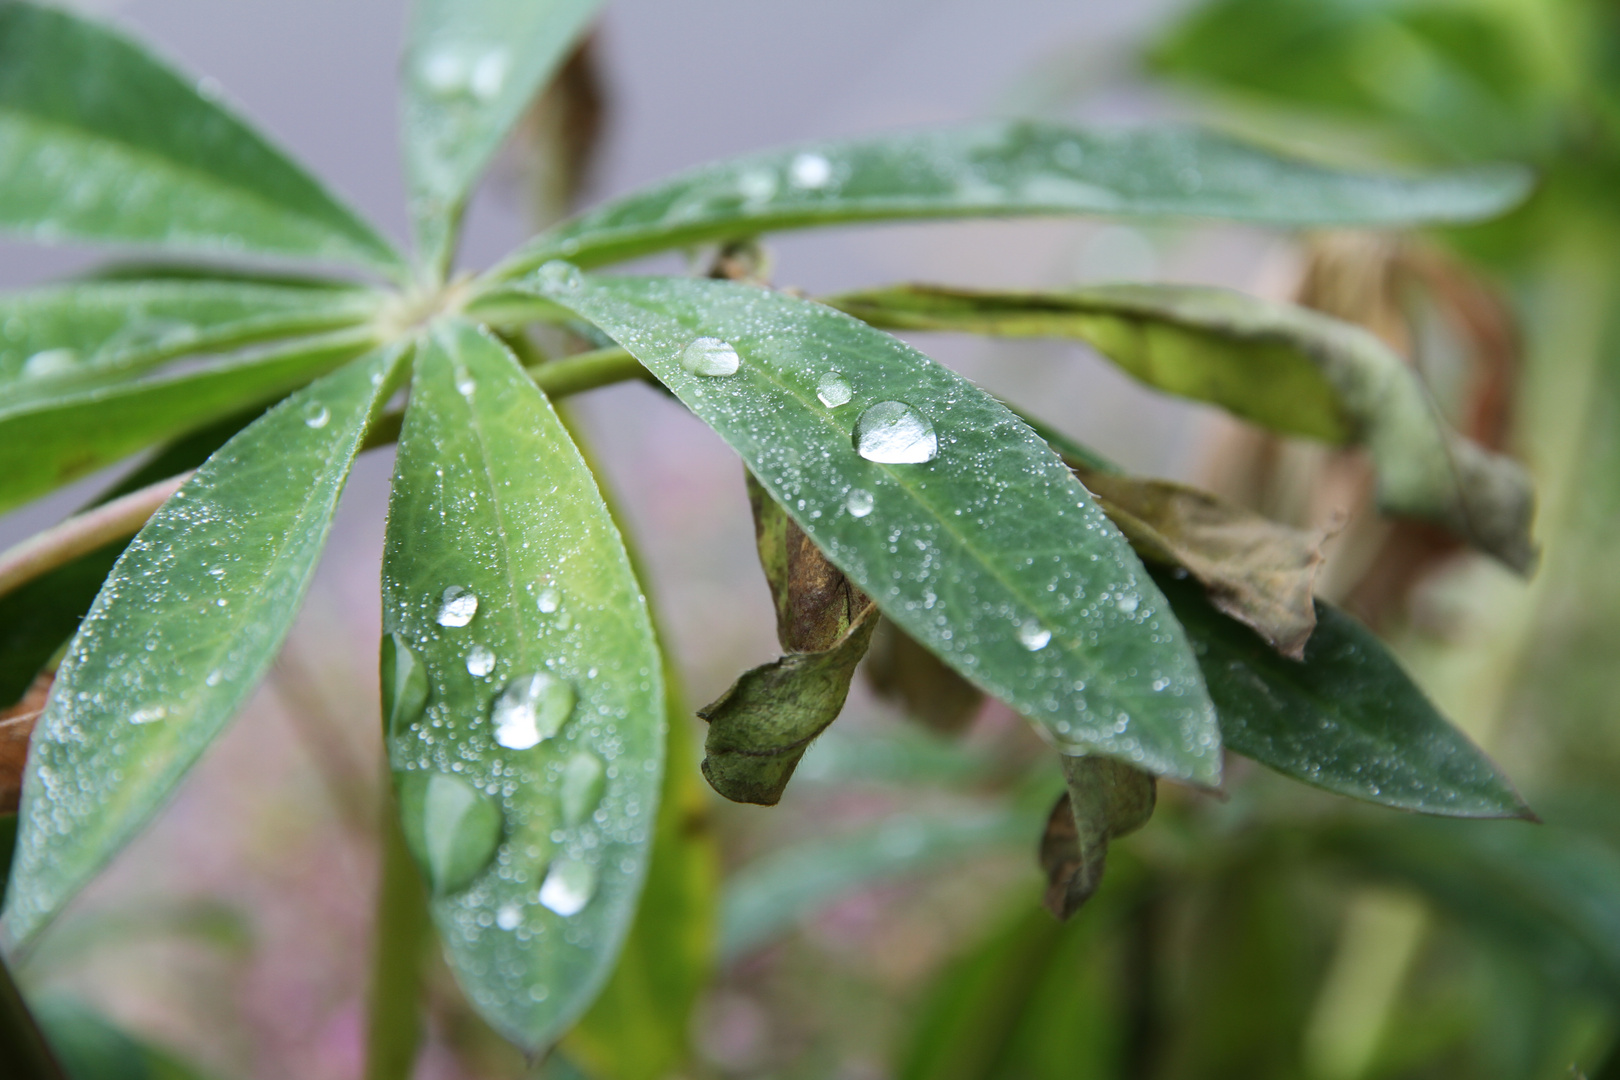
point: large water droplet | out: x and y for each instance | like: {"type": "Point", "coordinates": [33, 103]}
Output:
{"type": "Point", "coordinates": [810, 171]}
{"type": "Point", "coordinates": [480, 661]}
{"type": "Point", "coordinates": [50, 362]}
{"type": "Point", "coordinates": [450, 826]}
{"type": "Point", "coordinates": [559, 276]}
{"type": "Point", "coordinates": [833, 390]}
{"type": "Point", "coordinates": [1033, 636]}
{"type": "Point", "coordinates": [317, 415]}
{"type": "Point", "coordinates": [582, 781]}
{"type": "Point", "coordinates": [547, 601]}
{"type": "Point", "coordinates": [710, 356]}
{"type": "Point", "coordinates": [458, 607]}
{"type": "Point", "coordinates": [443, 72]}
{"type": "Point", "coordinates": [151, 714]}
{"type": "Point", "coordinates": [568, 887]}
{"type": "Point", "coordinates": [531, 709]}
{"type": "Point", "coordinates": [859, 503]}
{"type": "Point", "coordinates": [488, 74]}
{"type": "Point", "coordinates": [404, 685]}
{"type": "Point", "coordinates": [894, 433]}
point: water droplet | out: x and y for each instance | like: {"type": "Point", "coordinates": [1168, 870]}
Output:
{"type": "Point", "coordinates": [894, 433]}
{"type": "Point", "coordinates": [559, 276]}
{"type": "Point", "coordinates": [488, 75]}
{"type": "Point", "coordinates": [450, 826]}
{"type": "Point", "coordinates": [151, 714]}
{"type": "Point", "coordinates": [547, 601]}
{"type": "Point", "coordinates": [859, 503]}
{"type": "Point", "coordinates": [710, 356]}
{"type": "Point", "coordinates": [1033, 636]}
{"type": "Point", "coordinates": [443, 72]}
{"type": "Point", "coordinates": [316, 415]}
{"type": "Point", "coordinates": [531, 709]}
{"type": "Point", "coordinates": [1127, 604]}
{"type": "Point", "coordinates": [480, 661]}
{"type": "Point", "coordinates": [810, 171]}
{"type": "Point", "coordinates": [404, 685]}
{"type": "Point", "coordinates": [458, 607]}
{"type": "Point", "coordinates": [568, 887]}
{"type": "Point", "coordinates": [757, 185]}
{"type": "Point", "coordinates": [509, 917]}
{"type": "Point", "coordinates": [49, 362]}
{"type": "Point", "coordinates": [466, 385]}
{"type": "Point", "coordinates": [833, 390]}
{"type": "Point", "coordinates": [582, 781]}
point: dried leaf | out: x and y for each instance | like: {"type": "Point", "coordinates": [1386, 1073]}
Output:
{"type": "Point", "coordinates": [815, 603]}
{"type": "Point", "coordinates": [16, 727]}
{"type": "Point", "coordinates": [1256, 570]}
{"type": "Point", "coordinates": [1107, 799]}
{"type": "Point", "coordinates": [901, 670]}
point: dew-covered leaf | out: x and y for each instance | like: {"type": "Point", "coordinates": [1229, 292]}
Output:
{"type": "Point", "coordinates": [77, 335]}
{"type": "Point", "coordinates": [961, 524]}
{"type": "Point", "coordinates": [100, 142]}
{"type": "Point", "coordinates": [1105, 800]}
{"type": "Point", "coordinates": [506, 580]}
{"type": "Point", "coordinates": [1007, 169]}
{"type": "Point", "coordinates": [48, 441]}
{"type": "Point", "coordinates": [1256, 570]}
{"type": "Point", "coordinates": [1346, 719]}
{"type": "Point", "coordinates": [1296, 371]}
{"type": "Point", "coordinates": [930, 691]}
{"type": "Point", "coordinates": [188, 621]}
{"type": "Point", "coordinates": [471, 68]}
{"type": "Point", "coordinates": [766, 898]}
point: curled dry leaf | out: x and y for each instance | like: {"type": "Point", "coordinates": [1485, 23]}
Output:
{"type": "Point", "coordinates": [761, 727]}
{"type": "Point", "coordinates": [16, 727]}
{"type": "Point", "coordinates": [1107, 799]}
{"type": "Point", "coordinates": [1256, 570]}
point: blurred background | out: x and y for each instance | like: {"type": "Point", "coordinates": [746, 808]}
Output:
{"type": "Point", "coordinates": [883, 921]}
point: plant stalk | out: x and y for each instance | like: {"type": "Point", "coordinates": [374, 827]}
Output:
{"type": "Point", "coordinates": [403, 929]}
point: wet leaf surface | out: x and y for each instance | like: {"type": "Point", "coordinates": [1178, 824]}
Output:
{"type": "Point", "coordinates": [1106, 800]}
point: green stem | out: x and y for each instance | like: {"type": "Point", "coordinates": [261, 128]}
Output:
{"type": "Point", "coordinates": [403, 929]}
{"type": "Point", "coordinates": [23, 1048]}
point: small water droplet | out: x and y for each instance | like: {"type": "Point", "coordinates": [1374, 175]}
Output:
{"type": "Point", "coordinates": [48, 362]}
{"type": "Point", "coordinates": [859, 503]}
{"type": "Point", "coordinates": [488, 75]}
{"type": "Point", "coordinates": [151, 714]}
{"type": "Point", "coordinates": [582, 781]}
{"type": "Point", "coordinates": [404, 684]}
{"type": "Point", "coordinates": [710, 357]}
{"type": "Point", "coordinates": [1127, 604]}
{"type": "Point", "coordinates": [531, 709]}
{"type": "Point", "coordinates": [316, 415]}
{"type": "Point", "coordinates": [894, 433]}
{"type": "Point", "coordinates": [480, 661]}
{"type": "Point", "coordinates": [450, 826]}
{"type": "Point", "coordinates": [443, 72]}
{"type": "Point", "coordinates": [547, 601]}
{"type": "Point", "coordinates": [1033, 636]}
{"type": "Point", "coordinates": [757, 185]}
{"type": "Point", "coordinates": [560, 276]}
{"type": "Point", "coordinates": [458, 607]}
{"type": "Point", "coordinates": [568, 887]}
{"type": "Point", "coordinates": [810, 171]}
{"type": "Point", "coordinates": [508, 917]}
{"type": "Point", "coordinates": [833, 390]}
{"type": "Point", "coordinates": [466, 385]}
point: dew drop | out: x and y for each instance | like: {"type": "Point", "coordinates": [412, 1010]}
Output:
{"type": "Point", "coordinates": [894, 433]}
{"type": "Point", "coordinates": [1127, 604]}
{"type": "Point", "coordinates": [508, 917]}
{"type": "Point", "coordinates": [1033, 636]}
{"type": "Point", "coordinates": [48, 362]}
{"type": "Point", "coordinates": [316, 415]}
{"type": "Point", "coordinates": [568, 887]}
{"type": "Point", "coordinates": [833, 390]}
{"type": "Point", "coordinates": [560, 276]}
{"type": "Point", "coordinates": [480, 661]}
{"type": "Point", "coordinates": [547, 601]}
{"type": "Point", "coordinates": [757, 185]}
{"type": "Point", "coordinates": [810, 171]}
{"type": "Point", "coordinates": [443, 72]}
{"type": "Point", "coordinates": [582, 781]}
{"type": "Point", "coordinates": [458, 607]}
{"type": "Point", "coordinates": [859, 503]}
{"type": "Point", "coordinates": [151, 714]}
{"type": "Point", "coordinates": [404, 684]}
{"type": "Point", "coordinates": [711, 357]}
{"type": "Point", "coordinates": [450, 826]}
{"type": "Point", "coordinates": [531, 709]}
{"type": "Point", "coordinates": [488, 75]}
{"type": "Point", "coordinates": [466, 385]}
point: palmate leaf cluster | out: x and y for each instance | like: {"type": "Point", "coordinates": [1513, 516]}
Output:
{"type": "Point", "coordinates": [524, 690]}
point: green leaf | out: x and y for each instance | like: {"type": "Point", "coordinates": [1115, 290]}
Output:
{"type": "Point", "coordinates": [903, 754]}
{"type": "Point", "coordinates": [471, 68]}
{"type": "Point", "coordinates": [1346, 719]}
{"type": "Point", "coordinates": [189, 620]}
{"type": "Point", "coordinates": [100, 142]}
{"type": "Point", "coordinates": [769, 896]}
{"type": "Point", "coordinates": [931, 693]}
{"type": "Point", "coordinates": [1007, 169]}
{"type": "Point", "coordinates": [78, 335]}
{"type": "Point", "coordinates": [46, 442]}
{"type": "Point", "coordinates": [1105, 800]}
{"type": "Point", "coordinates": [990, 553]}
{"type": "Point", "coordinates": [505, 578]}
{"type": "Point", "coordinates": [90, 1047]}
{"type": "Point", "coordinates": [1290, 369]}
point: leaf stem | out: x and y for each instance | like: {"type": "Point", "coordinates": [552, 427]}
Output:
{"type": "Point", "coordinates": [402, 929]}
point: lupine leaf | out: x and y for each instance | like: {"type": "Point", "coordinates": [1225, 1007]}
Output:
{"type": "Point", "coordinates": [46, 442]}
{"type": "Point", "coordinates": [189, 620]}
{"type": "Point", "coordinates": [471, 68]}
{"type": "Point", "coordinates": [1290, 369]}
{"type": "Point", "coordinates": [506, 580]}
{"type": "Point", "coordinates": [1007, 169]}
{"type": "Point", "coordinates": [100, 142]}
{"type": "Point", "coordinates": [1346, 718]}
{"type": "Point", "coordinates": [990, 553]}
{"type": "Point", "coordinates": [88, 332]}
